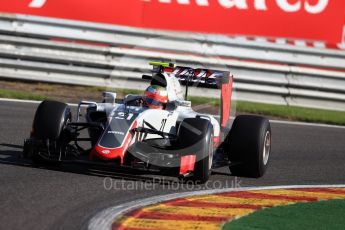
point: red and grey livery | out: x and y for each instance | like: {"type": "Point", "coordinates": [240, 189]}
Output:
{"type": "Point", "coordinates": [175, 141]}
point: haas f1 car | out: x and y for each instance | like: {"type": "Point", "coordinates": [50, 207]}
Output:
{"type": "Point", "coordinates": [157, 131]}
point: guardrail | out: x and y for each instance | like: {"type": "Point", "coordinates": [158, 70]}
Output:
{"type": "Point", "coordinates": [62, 51]}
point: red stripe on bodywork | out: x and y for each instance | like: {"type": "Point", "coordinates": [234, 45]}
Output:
{"type": "Point", "coordinates": [268, 196]}
{"type": "Point", "coordinates": [216, 141]}
{"type": "Point", "coordinates": [113, 153]}
{"type": "Point", "coordinates": [187, 164]}
{"type": "Point", "coordinates": [226, 102]}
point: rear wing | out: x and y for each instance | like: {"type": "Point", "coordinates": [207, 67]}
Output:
{"type": "Point", "coordinates": [201, 77]}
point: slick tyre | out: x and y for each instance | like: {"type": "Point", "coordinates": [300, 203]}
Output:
{"type": "Point", "coordinates": [49, 123]}
{"type": "Point", "coordinates": [249, 146]}
{"type": "Point", "coordinates": [196, 137]}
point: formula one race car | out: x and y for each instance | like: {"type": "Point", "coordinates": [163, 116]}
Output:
{"type": "Point", "coordinates": [158, 131]}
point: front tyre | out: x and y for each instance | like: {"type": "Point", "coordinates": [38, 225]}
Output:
{"type": "Point", "coordinates": [196, 137]}
{"type": "Point", "coordinates": [249, 146]}
{"type": "Point", "coordinates": [50, 120]}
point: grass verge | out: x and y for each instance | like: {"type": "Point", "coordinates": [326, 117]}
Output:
{"type": "Point", "coordinates": [6, 93]}
{"type": "Point", "coordinates": [314, 216]}
{"type": "Point", "coordinates": [293, 113]}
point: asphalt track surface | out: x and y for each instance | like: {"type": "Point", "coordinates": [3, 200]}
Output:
{"type": "Point", "coordinates": [67, 197]}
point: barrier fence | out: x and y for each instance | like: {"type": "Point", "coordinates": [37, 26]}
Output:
{"type": "Point", "coordinates": [72, 52]}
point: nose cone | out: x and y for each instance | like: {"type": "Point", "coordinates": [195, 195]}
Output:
{"type": "Point", "coordinates": [109, 147]}
{"type": "Point", "coordinates": [109, 154]}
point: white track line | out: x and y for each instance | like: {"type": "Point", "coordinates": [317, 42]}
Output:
{"type": "Point", "coordinates": [19, 101]}
{"type": "Point", "coordinates": [272, 121]}
{"type": "Point", "coordinates": [104, 219]}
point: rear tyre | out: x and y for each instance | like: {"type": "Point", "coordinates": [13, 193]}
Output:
{"type": "Point", "coordinates": [49, 122]}
{"type": "Point", "coordinates": [249, 146]}
{"type": "Point", "coordinates": [196, 137]}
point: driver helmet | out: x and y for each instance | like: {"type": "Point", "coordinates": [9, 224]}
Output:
{"type": "Point", "coordinates": [156, 97]}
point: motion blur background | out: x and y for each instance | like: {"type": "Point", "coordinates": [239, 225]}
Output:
{"type": "Point", "coordinates": [283, 52]}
